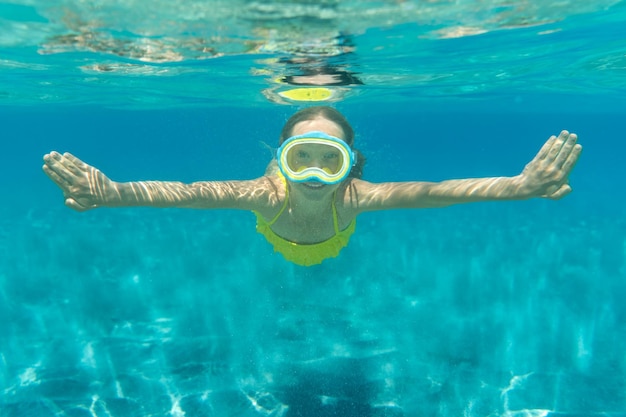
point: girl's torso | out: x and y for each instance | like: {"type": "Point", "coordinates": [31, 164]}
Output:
{"type": "Point", "coordinates": [293, 225]}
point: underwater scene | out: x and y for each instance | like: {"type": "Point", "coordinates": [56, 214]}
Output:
{"type": "Point", "coordinates": [490, 309]}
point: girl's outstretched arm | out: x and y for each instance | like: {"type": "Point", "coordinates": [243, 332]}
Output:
{"type": "Point", "coordinates": [545, 176]}
{"type": "Point", "coordinates": [85, 187]}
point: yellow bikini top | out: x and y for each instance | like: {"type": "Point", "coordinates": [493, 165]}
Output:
{"type": "Point", "coordinates": [305, 254]}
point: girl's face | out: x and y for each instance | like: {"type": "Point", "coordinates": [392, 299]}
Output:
{"type": "Point", "coordinates": [316, 189]}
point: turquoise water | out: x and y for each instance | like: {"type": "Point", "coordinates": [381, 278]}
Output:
{"type": "Point", "coordinates": [490, 309]}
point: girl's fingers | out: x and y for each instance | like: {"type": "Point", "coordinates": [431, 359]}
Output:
{"type": "Point", "coordinates": [545, 149]}
{"type": "Point", "coordinates": [77, 162]}
{"type": "Point", "coordinates": [572, 158]}
{"type": "Point", "coordinates": [557, 145]}
{"type": "Point", "coordinates": [58, 172]}
{"type": "Point", "coordinates": [566, 150]}
{"type": "Point", "coordinates": [54, 177]}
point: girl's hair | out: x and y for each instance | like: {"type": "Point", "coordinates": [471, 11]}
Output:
{"type": "Point", "coordinates": [312, 113]}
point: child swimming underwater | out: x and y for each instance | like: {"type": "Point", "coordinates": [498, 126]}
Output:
{"type": "Point", "coordinates": [307, 202]}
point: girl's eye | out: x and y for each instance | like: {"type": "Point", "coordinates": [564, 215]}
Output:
{"type": "Point", "coordinates": [331, 155]}
{"type": "Point", "coordinates": [303, 154]}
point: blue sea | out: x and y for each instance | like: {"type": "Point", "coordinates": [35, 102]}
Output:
{"type": "Point", "coordinates": [499, 309]}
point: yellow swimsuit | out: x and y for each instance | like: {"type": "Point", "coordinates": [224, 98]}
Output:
{"type": "Point", "coordinates": [305, 254]}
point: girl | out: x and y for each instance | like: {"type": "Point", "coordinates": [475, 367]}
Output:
{"type": "Point", "coordinates": [307, 202]}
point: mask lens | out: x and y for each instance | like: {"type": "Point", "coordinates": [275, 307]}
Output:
{"type": "Point", "coordinates": [326, 157]}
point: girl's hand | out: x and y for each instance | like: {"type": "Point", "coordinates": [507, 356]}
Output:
{"type": "Point", "coordinates": [83, 186]}
{"type": "Point", "coordinates": [547, 174]}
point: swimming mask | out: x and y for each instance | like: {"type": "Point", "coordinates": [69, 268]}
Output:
{"type": "Point", "coordinates": [315, 156]}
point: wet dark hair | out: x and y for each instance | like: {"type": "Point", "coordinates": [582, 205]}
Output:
{"type": "Point", "coordinates": [329, 113]}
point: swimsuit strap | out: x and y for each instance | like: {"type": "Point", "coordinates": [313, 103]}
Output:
{"type": "Point", "coordinates": [271, 222]}
{"type": "Point", "coordinates": [335, 219]}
